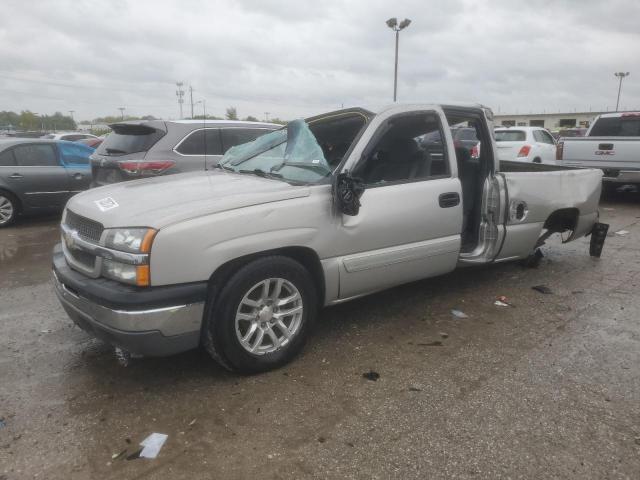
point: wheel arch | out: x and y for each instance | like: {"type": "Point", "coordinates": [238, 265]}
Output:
{"type": "Point", "coordinates": [306, 256]}
{"type": "Point", "coordinates": [19, 206]}
{"type": "Point", "coordinates": [562, 220]}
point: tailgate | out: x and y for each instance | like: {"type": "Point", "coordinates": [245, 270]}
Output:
{"type": "Point", "coordinates": [622, 153]}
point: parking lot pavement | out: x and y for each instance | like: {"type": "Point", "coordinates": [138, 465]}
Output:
{"type": "Point", "coordinates": [546, 388]}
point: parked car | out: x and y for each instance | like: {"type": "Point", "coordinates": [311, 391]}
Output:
{"type": "Point", "coordinates": [68, 136]}
{"type": "Point", "coordinates": [526, 144]}
{"type": "Point", "coordinates": [91, 142]}
{"type": "Point", "coordinates": [40, 175]}
{"type": "Point", "coordinates": [612, 144]}
{"type": "Point", "coordinates": [572, 132]}
{"type": "Point", "coordinates": [239, 258]}
{"type": "Point", "coordinates": [466, 137]}
{"type": "Point", "coordinates": [139, 149]}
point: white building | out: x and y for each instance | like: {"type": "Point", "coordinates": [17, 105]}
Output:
{"type": "Point", "coordinates": [551, 121]}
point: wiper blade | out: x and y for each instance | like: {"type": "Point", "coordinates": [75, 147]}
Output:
{"type": "Point", "coordinates": [305, 166]}
{"type": "Point", "coordinates": [224, 167]}
{"type": "Point", "coordinates": [261, 173]}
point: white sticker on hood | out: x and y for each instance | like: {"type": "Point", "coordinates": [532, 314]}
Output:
{"type": "Point", "coordinates": [105, 204]}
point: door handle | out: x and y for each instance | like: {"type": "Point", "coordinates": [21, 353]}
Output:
{"type": "Point", "coordinates": [16, 176]}
{"type": "Point", "coordinates": [448, 200]}
{"type": "Point", "coordinates": [77, 176]}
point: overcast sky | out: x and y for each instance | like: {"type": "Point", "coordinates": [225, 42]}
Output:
{"type": "Point", "coordinates": [296, 58]}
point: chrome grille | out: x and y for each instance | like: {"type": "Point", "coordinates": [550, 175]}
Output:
{"type": "Point", "coordinates": [87, 229]}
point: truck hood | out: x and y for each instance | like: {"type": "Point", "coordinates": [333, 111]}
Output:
{"type": "Point", "coordinates": [161, 201]}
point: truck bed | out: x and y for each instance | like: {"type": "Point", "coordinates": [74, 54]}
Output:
{"type": "Point", "coordinates": [515, 166]}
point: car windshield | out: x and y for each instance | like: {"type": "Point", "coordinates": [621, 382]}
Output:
{"type": "Point", "coordinates": [510, 136]}
{"type": "Point", "coordinates": [291, 154]}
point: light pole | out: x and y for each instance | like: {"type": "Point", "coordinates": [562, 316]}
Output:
{"type": "Point", "coordinates": [191, 97]}
{"type": "Point", "coordinates": [620, 75]}
{"type": "Point", "coordinates": [266, 116]}
{"type": "Point", "coordinates": [122, 109]}
{"type": "Point", "coordinates": [180, 95]}
{"type": "Point", "coordinates": [392, 23]}
{"type": "Point", "coordinates": [204, 107]}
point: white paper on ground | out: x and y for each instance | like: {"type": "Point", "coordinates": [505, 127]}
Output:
{"type": "Point", "coordinates": [152, 445]}
{"type": "Point", "coordinates": [622, 232]}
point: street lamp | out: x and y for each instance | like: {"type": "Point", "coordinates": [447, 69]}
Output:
{"type": "Point", "coordinates": [204, 107]}
{"type": "Point", "coordinates": [122, 109]}
{"type": "Point", "coordinates": [620, 75]}
{"type": "Point", "coordinates": [392, 23]}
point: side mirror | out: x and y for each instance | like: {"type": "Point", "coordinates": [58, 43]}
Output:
{"type": "Point", "coordinates": [347, 192]}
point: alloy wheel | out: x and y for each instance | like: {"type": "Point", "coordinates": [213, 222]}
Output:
{"type": "Point", "coordinates": [269, 316]}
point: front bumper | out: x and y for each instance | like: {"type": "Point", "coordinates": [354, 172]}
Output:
{"type": "Point", "coordinates": [156, 321]}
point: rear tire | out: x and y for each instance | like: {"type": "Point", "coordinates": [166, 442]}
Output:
{"type": "Point", "coordinates": [262, 317]}
{"type": "Point", "coordinates": [537, 160]}
{"type": "Point", "coordinates": [8, 209]}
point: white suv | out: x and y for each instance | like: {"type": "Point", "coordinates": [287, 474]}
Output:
{"type": "Point", "coordinates": [526, 144]}
{"type": "Point", "coordinates": [69, 136]}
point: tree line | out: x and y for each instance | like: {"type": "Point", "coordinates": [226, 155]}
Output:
{"type": "Point", "coordinates": [27, 120]}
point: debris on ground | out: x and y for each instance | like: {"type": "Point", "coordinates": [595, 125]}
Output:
{"type": "Point", "coordinates": [123, 357]}
{"type": "Point", "coordinates": [135, 455]}
{"type": "Point", "coordinates": [436, 343]}
{"type": "Point", "coordinates": [152, 445]}
{"type": "Point", "coordinates": [542, 289]}
{"type": "Point", "coordinates": [115, 456]}
{"type": "Point", "coordinates": [371, 375]}
{"type": "Point", "coordinates": [414, 389]}
{"type": "Point", "coordinates": [622, 233]}
{"type": "Point", "coordinates": [459, 314]}
{"type": "Point", "coordinates": [2, 423]}
{"type": "Point", "coordinates": [444, 334]}
{"type": "Point", "coordinates": [192, 422]}
{"type": "Point", "coordinates": [501, 301]}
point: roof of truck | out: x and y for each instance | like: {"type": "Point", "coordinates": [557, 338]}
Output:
{"type": "Point", "coordinates": [620, 114]}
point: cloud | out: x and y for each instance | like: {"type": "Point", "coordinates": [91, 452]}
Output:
{"type": "Point", "coordinates": [297, 58]}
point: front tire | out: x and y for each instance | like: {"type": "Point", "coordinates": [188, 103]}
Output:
{"type": "Point", "coordinates": [8, 209]}
{"type": "Point", "coordinates": [263, 315]}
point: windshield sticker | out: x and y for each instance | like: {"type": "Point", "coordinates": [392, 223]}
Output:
{"type": "Point", "coordinates": [105, 204]}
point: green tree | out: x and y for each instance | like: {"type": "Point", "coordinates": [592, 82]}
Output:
{"type": "Point", "coordinates": [232, 113]}
{"type": "Point", "coordinates": [251, 118]}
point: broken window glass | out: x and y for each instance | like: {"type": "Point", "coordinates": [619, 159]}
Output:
{"type": "Point", "coordinates": [291, 154]}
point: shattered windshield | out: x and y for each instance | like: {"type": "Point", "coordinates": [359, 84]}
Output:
{"type": "Point", "coordinates": [291, 154]}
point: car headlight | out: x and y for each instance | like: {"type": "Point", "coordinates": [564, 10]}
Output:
{"type": "Point", "coordinates": [132, 240]}
{"type": "Point", "coordinates": [132, 269]}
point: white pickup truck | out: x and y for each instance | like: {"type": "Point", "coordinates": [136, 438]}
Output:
{"type": "Point", "coordinates": [239, 259]}
{"type": "Point", "coordinates": [612, 144]}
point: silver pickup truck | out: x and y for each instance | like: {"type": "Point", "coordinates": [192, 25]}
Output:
{"type": "Point", "coordinates": [240, 258]}
{"type": "Point", "coordinates": [611, 144]}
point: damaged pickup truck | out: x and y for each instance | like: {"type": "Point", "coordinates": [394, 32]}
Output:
{"type": "Point", "coordinates": [240, 258]}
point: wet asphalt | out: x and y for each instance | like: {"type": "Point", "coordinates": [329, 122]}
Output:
{"type": "Point", "coordinates": [548, 387]}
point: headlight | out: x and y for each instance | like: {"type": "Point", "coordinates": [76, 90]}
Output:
{"type": "Point", "coordinates": [132, 240]}
{"type": "Point", "coordinates": [136, 241]}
